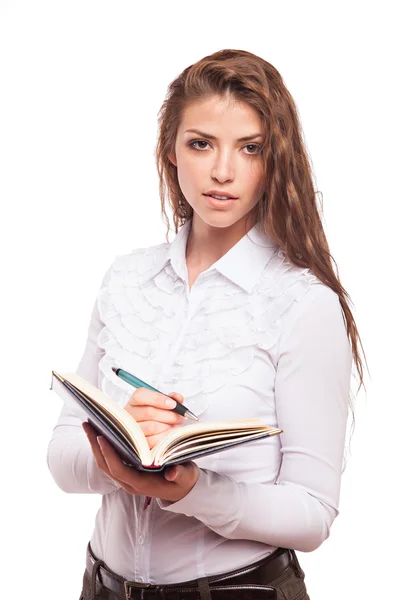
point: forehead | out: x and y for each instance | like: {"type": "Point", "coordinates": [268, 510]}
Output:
{"type": "Point", "coordinates": [220, 113]}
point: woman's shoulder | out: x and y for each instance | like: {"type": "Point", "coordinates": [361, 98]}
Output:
{"type": "Point", "coordinates": [281, 276]}
{"type": "Point", "coordinates": [140, 262]}
{"type": "Point", "coordinates": [141, 259]}
{"type": "Point", "coordinates": [288, 286]}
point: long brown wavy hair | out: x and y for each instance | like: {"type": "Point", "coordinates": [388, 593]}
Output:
{"type": "Point", "coordinates": [288, 210]}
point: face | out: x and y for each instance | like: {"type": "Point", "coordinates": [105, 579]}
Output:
{"type": "Point", "coordinates": [217, 159]}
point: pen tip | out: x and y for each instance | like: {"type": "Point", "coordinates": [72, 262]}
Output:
{"type": "Point", "coordinates": [114, 369]}
{"type": "Point", "coordinates": [191, 415]}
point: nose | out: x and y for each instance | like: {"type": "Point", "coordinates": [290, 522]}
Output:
{"type": "Point", "coordinates": [223, 169]}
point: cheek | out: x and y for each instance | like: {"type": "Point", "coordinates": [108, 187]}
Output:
{"type": "Point", "coordinates": [257, 178]}
{"type": "Point", "coordinates": [251, 177]}
{"type": "Point", "coordinates": [191, 172]}
{"type": "Point", "coordinates": [184, 170]}
{"type": "Point", "coordinates": [189, 180]}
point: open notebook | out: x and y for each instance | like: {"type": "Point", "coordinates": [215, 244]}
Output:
{"type": "Point", "coordinates": [182, 443]}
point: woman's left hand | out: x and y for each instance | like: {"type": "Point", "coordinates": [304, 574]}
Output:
{"type": "Point", "coordinates": [173, 484]}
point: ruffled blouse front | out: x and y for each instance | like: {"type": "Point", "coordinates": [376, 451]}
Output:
{"type": "Point", "coordinates": [254, 337]}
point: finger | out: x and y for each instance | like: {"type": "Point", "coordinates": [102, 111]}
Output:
{"type": "Point", "coordinates": [153, 440]}
{"type": "Point", "coordinates": [145, 397]}
{"type": "Point", "coordinates": [105, 452]}
{"type": "Point", "coordinates": [183, 477]}
{"type": "Point", "coordinates": [176, 396]}
{"type": "Point", "coordinates": [176, 472]}
{"type": "Point", "coordinates": [128, 477]}
{"type": "Point", "coordinates": [114, 463]}
{"type": "Point", "coordinates": [171, 473]}
{"type": "Point", "coordinates": [154, 427]}
{"type": "Point", "coordinates": [185, 474]}
{"type": "Point", "coordinates": [97, 453]}
{"type": "Point", "coordinates": [150, 413]}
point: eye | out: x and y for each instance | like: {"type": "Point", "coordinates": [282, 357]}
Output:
{"type": "Point", "coordinates": [256, 146]}
{"type": "Point", "coordinates": [191, 144]}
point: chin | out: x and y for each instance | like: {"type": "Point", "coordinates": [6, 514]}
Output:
{"type": "Point", "coordinates": [217, 218]}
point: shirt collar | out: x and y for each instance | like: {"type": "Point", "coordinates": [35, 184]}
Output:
{"type": "Point", "coordinates": [242, 264]}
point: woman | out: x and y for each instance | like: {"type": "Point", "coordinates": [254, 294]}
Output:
{"type": "Point", "coordinates": [244, 315]}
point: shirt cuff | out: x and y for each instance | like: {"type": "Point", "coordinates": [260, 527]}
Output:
{"type": "Point", "coordinates": [215, 500]}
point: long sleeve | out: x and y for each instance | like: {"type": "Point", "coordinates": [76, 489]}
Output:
{"type": "Point", "coordinates": [312, 386]}
{"type": "Point", "coordinates": [69, 456]}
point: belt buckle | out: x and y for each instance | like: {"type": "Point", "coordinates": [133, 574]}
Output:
{"type": "Point", "coordinates": [134, 584]}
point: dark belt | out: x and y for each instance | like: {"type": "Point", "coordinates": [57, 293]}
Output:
{"type": "Point", "coordinates": [255, 578]}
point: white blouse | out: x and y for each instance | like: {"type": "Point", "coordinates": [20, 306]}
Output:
{"type": "Point", "coordinates": [254, 337]}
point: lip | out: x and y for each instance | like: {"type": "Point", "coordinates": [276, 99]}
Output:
{"type": "Point", "coordinates": [220, 204]}
{"type": "Point", "coordinates": [220, 193]}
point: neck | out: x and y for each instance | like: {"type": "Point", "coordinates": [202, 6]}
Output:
{"type": "Point", "coordinates": [207, 244]}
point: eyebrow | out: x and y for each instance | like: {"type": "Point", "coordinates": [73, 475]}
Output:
{"type": "Point", "coordinates": [246, 138]}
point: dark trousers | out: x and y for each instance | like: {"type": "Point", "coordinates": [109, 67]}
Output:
{"type": "Point", "coordinates": [288, 585]}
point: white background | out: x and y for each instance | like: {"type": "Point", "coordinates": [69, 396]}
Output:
{"type": "Point", "coordinates": [81, 85]}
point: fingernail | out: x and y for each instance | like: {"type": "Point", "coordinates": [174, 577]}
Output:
{"type": "Point", "coordinates": [172, 473]}
{"type": "Point", "coordinates": [170, 403]}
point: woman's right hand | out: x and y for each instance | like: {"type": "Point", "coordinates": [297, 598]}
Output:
{"type": "Point", "coordinates": [153, 414]}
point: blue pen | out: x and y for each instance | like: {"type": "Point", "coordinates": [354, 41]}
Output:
{"type": "Point", "coordinates": [138, 383]}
